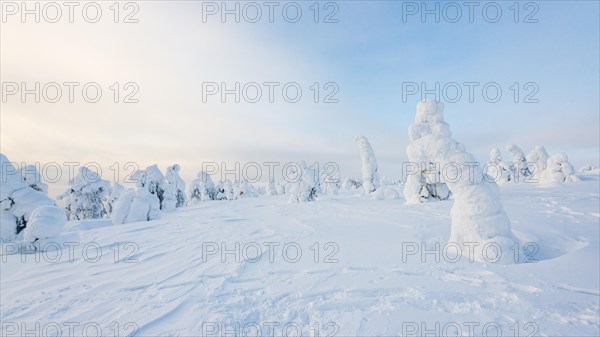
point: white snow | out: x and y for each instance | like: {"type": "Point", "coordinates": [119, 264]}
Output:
{"type": "Point", "coordinates": [164, 284]}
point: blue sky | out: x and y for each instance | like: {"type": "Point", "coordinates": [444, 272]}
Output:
{"type": "Point", "coordinates": [369, 53]}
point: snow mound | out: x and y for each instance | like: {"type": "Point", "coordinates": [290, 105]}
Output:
{"type": "Point", "coordinates": [135, 206]}
{"type": "Point", "coordinates": [558, 170]}
{"type": "Point", "coordinates": [45, 222]}
{"type": "Point", "coordinates": [385, 193]}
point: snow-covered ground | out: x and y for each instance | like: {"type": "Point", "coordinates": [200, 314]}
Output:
{"type": "Point", "coordinates": [362, 271]}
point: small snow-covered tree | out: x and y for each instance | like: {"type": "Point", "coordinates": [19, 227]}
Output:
{"type": "Point", "coordinates": [225, 190]}
{"type": "Point", "coordinates": [280, 187]}
{"type": "Point", "coordinates": [306, 186]}
{"type": "Point", "coordinates": [111, 199]}
{"type": "Point", "coordinates": [499, 170]}
{"type": "Point", "coordinates": [271, 188]}
{"type": "Point", "coordinates": [19, 205]}
{"type": "Point", "coordinates": [203, 188]}
{"type": "Point", "coordinates": [477, 214]}
{"type": "Point", "coordinates": [538, 157]}
{"type": "Point", "coordinates": [351, 184]}
{"type": "Point", "coordinates": [32, 177]}
{"type": "Point", "coordinates": [521, 167]}
{"type": "Point", "coordinates": [242, 189]}
{"type": "Point", "coordinates": [587, 168]}
{"type": "Point", "coordinates": [152, 180]}
{"type": "Point", "coordinates": [136, 206]}
{"type": "Point", "coordinates": [174, 189]}
{"type": "Point", "coordinates": [369, 165]}
{"type": "Point", "coordinates": [330, 184]}
{"type": "Point", "coordinates": [85, 195]}
{"type": "Point", "coordinates": [558, 170]}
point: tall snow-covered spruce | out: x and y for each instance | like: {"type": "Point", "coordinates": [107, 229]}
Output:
{"type": "Point", "coordinates": [477, 214]}
{"type": "Point", "coordinates": [369, 165]}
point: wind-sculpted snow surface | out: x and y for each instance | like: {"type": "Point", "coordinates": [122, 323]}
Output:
{"type": "Point", "coordinates": [378, 268]}
{"type": "Point", "coordinates": [477, 213]}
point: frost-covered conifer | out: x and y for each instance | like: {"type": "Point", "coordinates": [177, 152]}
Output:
{"type": "Point", "coordinates": [330, 184]}
{"type": "Point", "coordinates": [110, 200]}
{"type": "Point", "coordinates": [306, 186]}
{"type": "Point", "coordinates": [427, 183]}
{"type": "Point", "coordinates": [33, 178]}
{"type": "Point", "coordinates": [521, 167]}
{"type": "Point", "coordinates": [497, 169]}
{"type": "Point", "coordinates": [85, 195]}
{"type": "Point", "coordinates": [369, 165]}
{"type": "Point", "coordinates": [477, 214]}
{"type": "Point", "coordinates": [351, 184]}
{"type": "Point", "coordinates": [271, 188]}
{"type": "Point", "coordinates": [19, 204]}
{"type": "Point", "coordinates": [174, 189]}
{"type": "Point", "coordinates": [152, 180]}
{"type": "Point", "coordinates": [203, 188]}
{"type": "Point", "coordinates": [558, 170]}
{"type": "Point", "coordinates": [225, 190]}
{"type": "Point", "coordinates": [538, 159]}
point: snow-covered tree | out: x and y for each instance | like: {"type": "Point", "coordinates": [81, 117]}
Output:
{"type": "Point", "coordinates": [85, 195]}
{"type": "Point", "coordinates": [115, 193]}
{"type": "Point", "coordinates": [427, 184]}
{"type": "Point", "coordinates": [499, 170]}
{"type": "Point", "coordinates": [203, 188]}
{"type": "Point", "coordinates": [306, 185]}
{"type": "Point", "coordinates": [280, 187]}
{"type": "Point", "coordinates": [242, 189]}
{"type": "Point", "coordinates": [351, 184]}
{"type": "Point", "coordinates": [477, 214]}
{"type": "Point", "coordinates": [32, 177]}
{"type": "Point", "coordinates": [521, 167]}
{"type": "Point", "coordinates": [588, 168]}
{"type": "Point", "coordinates": [152, 180]}
{"type": "Point", "coordinates": [330, 184]}
{"type": "Point", "coordinates": [558, 170]}
{"type": "Point", "coordinates": [271, 188]}
{"type": "Point", "coordinates": [135, 206]}
{"type": "Point", "coordinates": [538, 157]}
{"type": "Point", "coordinates": [18, 208]}
{"type": "Point", "coordinates": [369, 165]}
{"type": "Point", "coordinates": [174, 189]}
{"type": "Point", "coordinates": [225, 190]}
